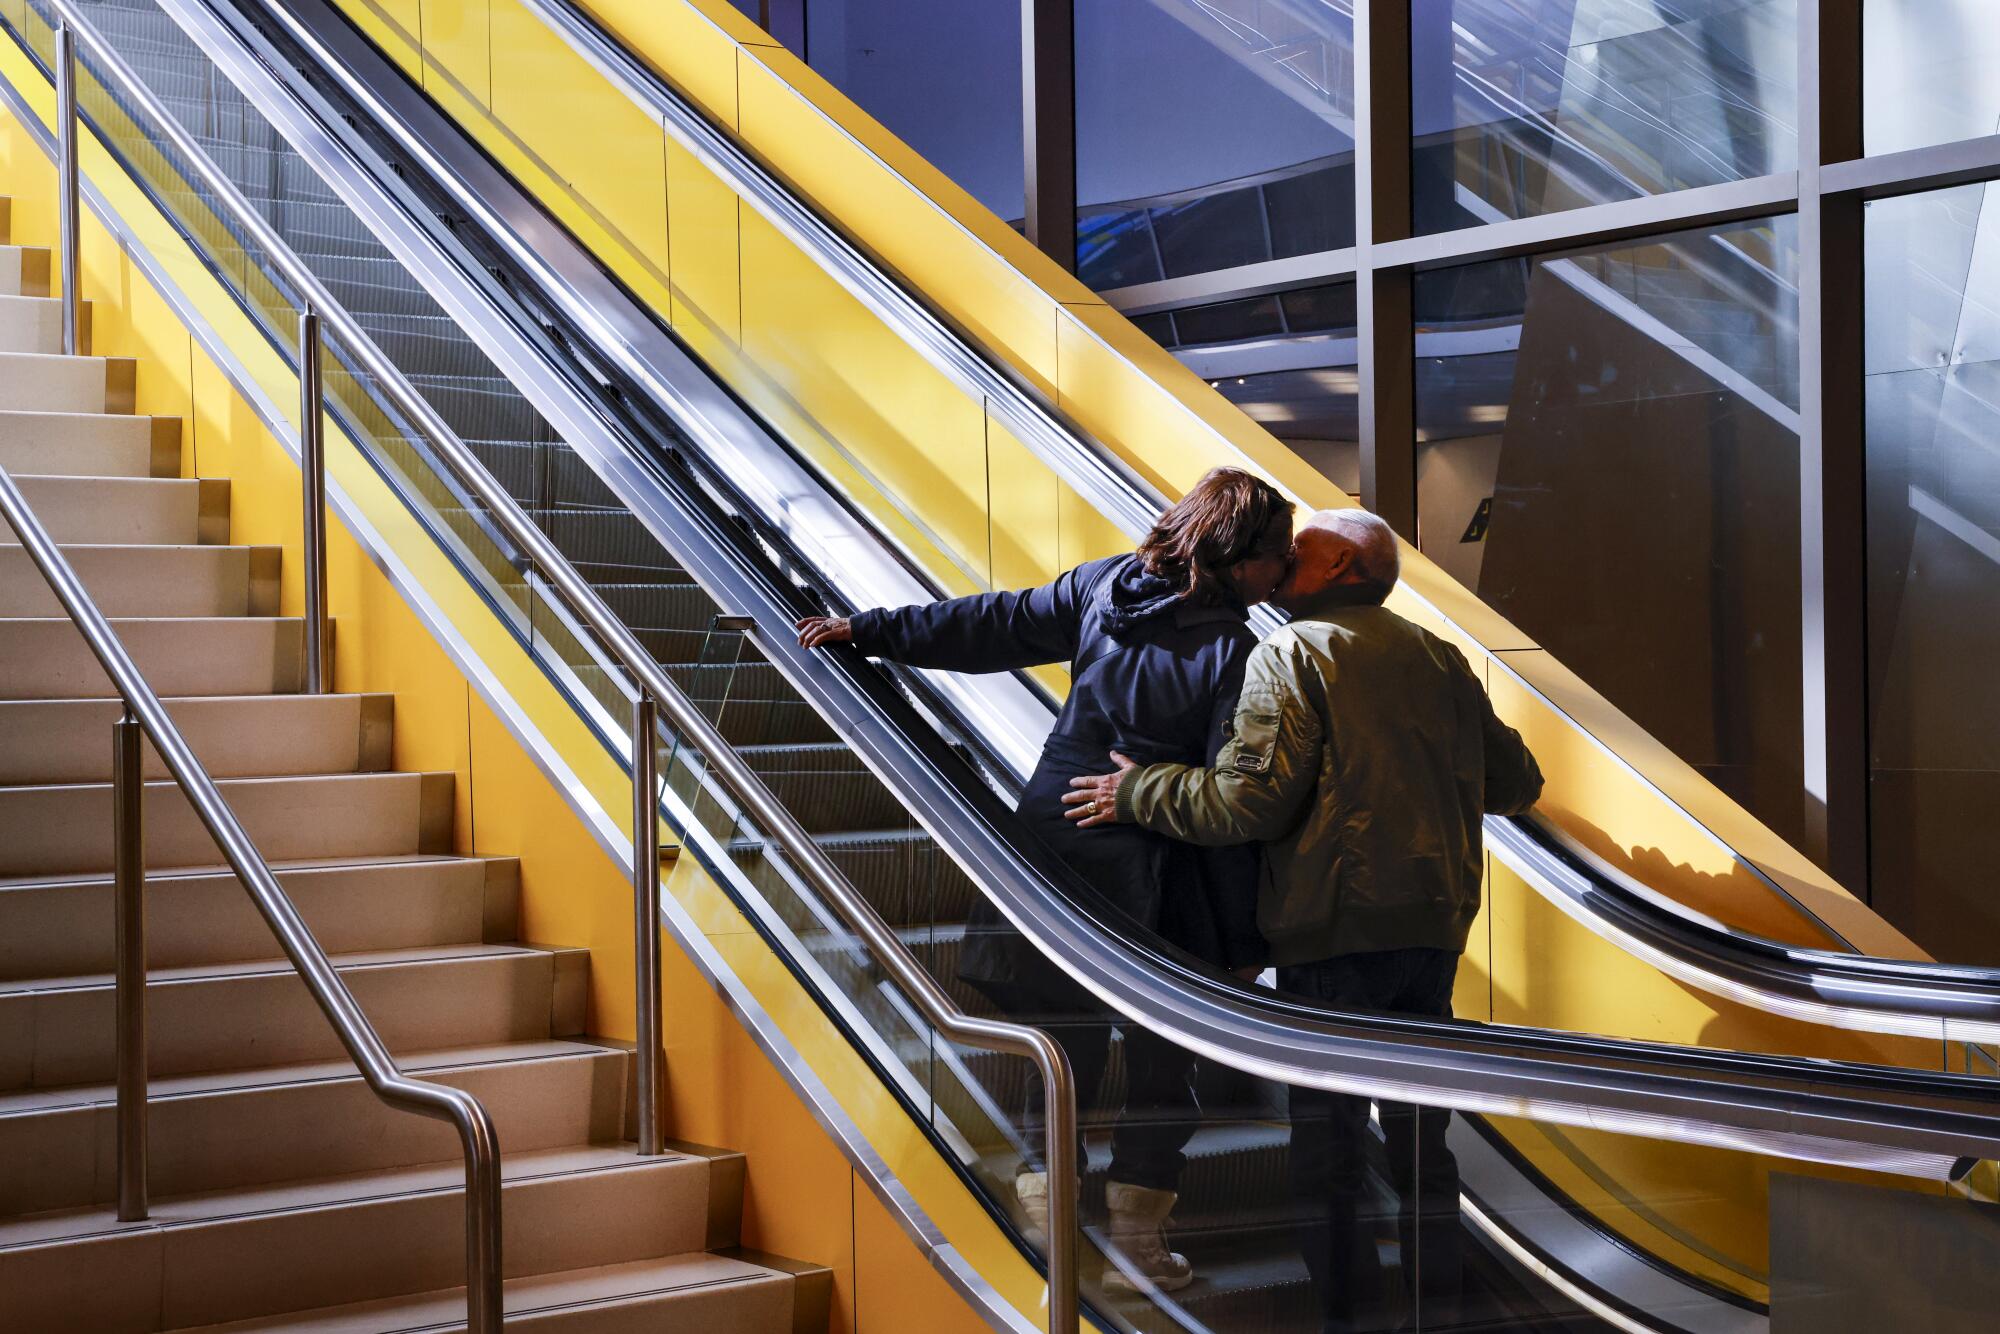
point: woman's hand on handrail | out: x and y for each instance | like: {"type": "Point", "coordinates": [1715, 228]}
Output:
{"type": "Point", "coordinates": [821, 631]}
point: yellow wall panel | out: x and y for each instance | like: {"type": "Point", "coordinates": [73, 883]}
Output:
{"type": "Point", "coordinates": [702, 36]}
{"type": "Point", "coordinates": [609, 153]}
{"type": "Point", "coordinates": [1082, 533]}
{"type": "Point", "coordinates": [455, 43]}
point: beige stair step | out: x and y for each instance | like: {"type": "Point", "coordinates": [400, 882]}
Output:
{"type": "Point", "coordinates": [265, 1251]}
{"type": "Point", "coordinates": [63, 927]}
{"type": "Point", "coordinates": [169, 511]}
{"type": "Point", "coordinates": [58, 1032]}
{"type": "Point", "coordinates": [51, 382]}
{"type": "Point", "coordinates": [88, 444]}
{"type": "Point", "coordinates": [149, 580]}
{"type": "Point", "coordinates": [179, 656]}
{"type": "Point", "coordinates": [722, 1293]}
{"type": "Point", "coordinates": [54, 829]}
{"type": "Point", "coordinates": [69, 740]}
{"type": "Point", "coordinates": [24, 270]}
{"type": "Point", "coordinates": [32, 323]}
{"type": "Point", "coordinates": [225, 1131]}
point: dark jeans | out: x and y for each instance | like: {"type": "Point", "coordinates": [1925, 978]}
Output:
{"type": "Point", "coordinates": [1160, 1110]}
{"type": "Point", "coordinates": [1329, 1156]}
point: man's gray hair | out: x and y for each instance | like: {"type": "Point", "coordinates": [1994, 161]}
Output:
{"type": "Point", "coordinates": [1376, 558]}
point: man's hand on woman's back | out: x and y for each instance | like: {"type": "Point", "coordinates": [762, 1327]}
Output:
{"type": "Point", "coordinates": [820, 631]}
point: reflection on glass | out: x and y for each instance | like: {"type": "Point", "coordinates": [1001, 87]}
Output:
{"type": "Point", "coordinates": [1931, 72]}
{"type": "Point", "coordinates": [945, 79]}
{"type": "Point", "coordinates": [1608, 455]}
{"type": "Point", "coordinates": [1524, 107]}
{"type": "Point", "coordinates": [1211, 135]}
{"type": "Point", "coordinates": [1933, 340]}
{"type": "Point", "coordinates": [1288, 360]}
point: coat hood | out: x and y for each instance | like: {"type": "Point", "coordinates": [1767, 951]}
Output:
{"type": "Point", "coordinates": [1137, 595]}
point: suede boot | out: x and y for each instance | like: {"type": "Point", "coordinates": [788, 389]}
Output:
{"type": "Point", "coordinates": [1137, 1231]}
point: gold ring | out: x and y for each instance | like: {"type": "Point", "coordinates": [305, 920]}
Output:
{"type": "Point", "coordinates": [1092, 808]}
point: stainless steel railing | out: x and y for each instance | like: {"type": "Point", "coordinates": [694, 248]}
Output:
{"type": "Point", "coordinates": [656, 695]}
{"type": "Point", "coordinates": [146, 716]}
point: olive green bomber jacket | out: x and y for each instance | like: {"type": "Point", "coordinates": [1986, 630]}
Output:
{"type": "Point", "coordinates": [1364, 754]}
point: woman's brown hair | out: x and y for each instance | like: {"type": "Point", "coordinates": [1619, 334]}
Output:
{"type": "Point", "coordinates": [1223, 520]}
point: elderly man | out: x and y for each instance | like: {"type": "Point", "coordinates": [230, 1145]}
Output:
{"type": "Point", "coordinates": [1363, 755]}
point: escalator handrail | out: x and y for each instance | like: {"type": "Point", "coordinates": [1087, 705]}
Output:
{"type": "Point", "coordinates": [744, 784]}
{"type": "Point", "coordinates": [1882, 1118]}
{"type": "Point", "coordinates": [1918, 998]}
{"type": "Point", "coordinates": [1913, 998]}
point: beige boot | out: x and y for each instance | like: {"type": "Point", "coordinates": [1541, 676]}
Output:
{"type": "Point", "coordinates": [1032, 1190]}
{"type": "Point", "coordinates": [1137, 1232]}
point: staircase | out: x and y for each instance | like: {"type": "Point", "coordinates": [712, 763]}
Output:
{"type": "Point", "coordinates": [285, 1196]}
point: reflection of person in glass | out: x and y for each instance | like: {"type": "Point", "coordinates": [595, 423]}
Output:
{"type": "Point", "coordinates": [1363, 754]}
{"type": "Point", "coordinates": [1155, 642]}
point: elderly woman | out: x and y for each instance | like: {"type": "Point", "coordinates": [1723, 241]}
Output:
{"type": "Point", "coordinates": [1155, 642]}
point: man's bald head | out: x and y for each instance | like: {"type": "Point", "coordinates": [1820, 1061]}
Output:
{"type": "Point", "coordinates": [1346, 548]}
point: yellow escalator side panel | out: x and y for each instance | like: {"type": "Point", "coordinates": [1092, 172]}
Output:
{"type": "Point", "coordinates": [781, 110]}
{"type": "Point", "coordinates": [706, 255]}
{"type": "Point", "coordinates": [609, 154]}
{"type": "Point", "coordinates": [1024, 500]}
{"type": "Point", "coordinates": [823, 348]}
{"type": "Point", "coordinates": [893, 1288]}
{"type": "Point", "coordinates": [1549, 971]}
{"type": "Point", "coordinates": [457, 44]}
{"type": "Point", "coordinates": [394, 25]}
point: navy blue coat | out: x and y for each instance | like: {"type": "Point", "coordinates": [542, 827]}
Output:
{"type": "Point", "coordinates": [1152, 678]}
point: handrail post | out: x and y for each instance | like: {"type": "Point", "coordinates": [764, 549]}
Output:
{"type": "Point", "coordinates": [67, 190]}
{"type": "Point", "coordinates": [129, 888]}
{"type": "Point", "coordinates": [1059, 1115]}
{"type": "Point", "coordinates": [646, 909]}
{"type": "Point", "coordinates": [312, 486]}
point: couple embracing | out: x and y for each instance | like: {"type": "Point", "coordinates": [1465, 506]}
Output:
{"type": "Point", "coordinates": [1312, 801]}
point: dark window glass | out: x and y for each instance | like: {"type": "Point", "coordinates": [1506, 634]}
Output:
{"type": "Point", "coordinates": [1932, 72]}
{"type": "Point", "coordinates": [1230, 321]}
{"type": "Point", "coordinates": [1311, 211]}
{"type": "Point", "coordinates": [1211, 232]}
{"type": "Point", "coordinates": [1524, 107]}
{"type": "Point", "coordinates": [1933, 543]}
{"type": "Point", "coordinates": [1318, 309]}
{"type": "Point", "coordinates": [1159, 328]}
{"type": "Point", "coordinates": [1613, 465]}
{"type": "Point", "coordinates": [1115, 248]}
{"type": "Point", "coordinates": [945, 79]}
{"type": "Point", "coordinates": [1191, 112]}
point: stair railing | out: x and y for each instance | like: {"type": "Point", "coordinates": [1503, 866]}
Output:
{"type": "Point", "coordinates": [656, 695]}
{"type": "Point", "coordinates": [145, 718]}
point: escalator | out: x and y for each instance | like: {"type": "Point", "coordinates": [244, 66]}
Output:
{"type": "Point", "coordinates": [900, 778]}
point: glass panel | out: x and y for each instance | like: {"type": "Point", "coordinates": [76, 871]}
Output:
{"type": "Point", "coordinates": [1931, 73]}
{"type": "Point", "coordinates": [1608, 455]}
{"type": "Point", "coordinates": [1933, 338]}
{"type": "Point", "coordinates": [1210, 135]}
{"type": "Point", "coordinates": [1524, 107]}
{"type": "Point", "coordinates": [1287, 360]}
{"type": "Point", "coordinates": [945, 79]}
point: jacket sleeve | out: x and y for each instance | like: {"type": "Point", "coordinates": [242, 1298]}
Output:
{"type": "Point", "coordinates": [1263, 776]}
{"type": "Point", "coordinates": [1513, 779]}
{"type": "Point", "coordinates": [988, 632]}
{"type": "Point", "coordinates": [1231, 873]}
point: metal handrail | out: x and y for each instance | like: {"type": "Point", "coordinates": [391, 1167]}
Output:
{"type": "Point", "coordinates": [656, 691]}
{"type": "Point", "coordinates": [145, 713]}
